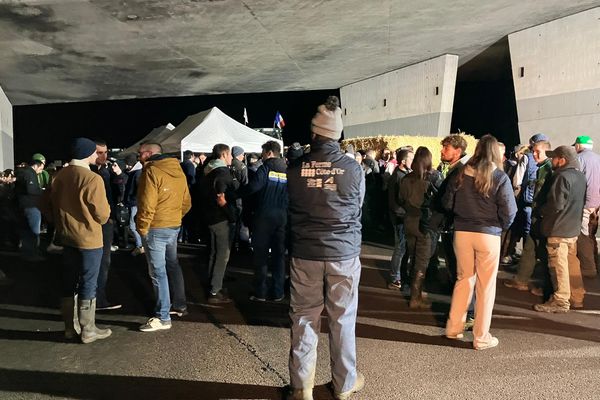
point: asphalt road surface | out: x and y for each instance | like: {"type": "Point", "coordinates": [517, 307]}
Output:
{"type": "Point", "coordinates": [240, 350]}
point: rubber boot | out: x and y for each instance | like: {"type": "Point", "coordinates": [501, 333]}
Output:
{"type": "Point", "coordinates": [69, 313]}
{"type": "Point", "coordinates": [87, 319]}
{"type": "Point", "coordinates": [416, 292]}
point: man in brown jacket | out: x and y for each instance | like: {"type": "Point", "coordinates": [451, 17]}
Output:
{"type": "Point", "coordinates": [79, 209]}
{"type": "Point", "coordinates": [163, 199]}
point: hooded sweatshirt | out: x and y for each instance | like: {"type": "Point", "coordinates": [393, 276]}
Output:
{"type": "Point", "coordinates": [218, 180]}
{"type": "Point", "coordinates": [163, 197]}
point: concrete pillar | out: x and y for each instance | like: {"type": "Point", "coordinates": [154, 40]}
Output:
{"type": "Point", "coordinates": [7, 157]}
{"type": "Point", "coordinates": [415, 100]}
{"type": "Point", "coordinates": [556, 72]}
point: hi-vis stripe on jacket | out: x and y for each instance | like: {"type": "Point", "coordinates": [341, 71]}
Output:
{"type": "Point", "coordinates": [278, 177]}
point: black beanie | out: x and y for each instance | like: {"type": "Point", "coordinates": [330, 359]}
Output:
{"type": "Point", "coordinates": [82, 148]}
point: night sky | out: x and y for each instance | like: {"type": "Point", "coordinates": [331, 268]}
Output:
{"type": "Point", "coordinates": [48, 129]}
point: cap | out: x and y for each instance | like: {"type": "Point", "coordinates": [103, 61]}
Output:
{"type": "Point", "coordinates": [38, 157]}
{"type": "Point", "coordinates": [538, 137]}
{"type": "Point", "coordinates": [566, 152]}
{"type": "Point", "coordinates": [583, 140]}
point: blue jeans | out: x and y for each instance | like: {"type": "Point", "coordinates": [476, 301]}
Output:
{"type": "Point", "coordinates": [80, 272]}
{"type": "Point", "coordinates": [399, 252]}
{"type": "Point", "coordinates": [220, 249]}
{"type": "Point", "coordinates": [269, 233]}
{"type": "Point", "coordinates": [333, 285]}
{"type": "Point", "coordinates": [30, 230]}
{"type": "Point", "coordinates": [161, 252]}
{"type": "Point", "coordinates": [132, 228]}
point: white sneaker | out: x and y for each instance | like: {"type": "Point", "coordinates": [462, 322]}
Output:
{"type": "Point", "coordinates": [155, 324]}
{"type": "Point", "coordinates": [54, 249]}
{"type": "Point", "coordinates": [137, 251]}
{"type": "Point", "coordinates": [492, 343]}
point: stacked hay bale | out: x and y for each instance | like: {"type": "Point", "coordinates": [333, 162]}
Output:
{"type": "Point", "coordinates": [379, 143]}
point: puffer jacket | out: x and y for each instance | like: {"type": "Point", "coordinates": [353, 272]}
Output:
{"type": "Point", "coordinates": [528, 183]}
{"type": "Point", "coordinates": [326, 191]}
{"type": "Point", "coordinates": [163, 197]}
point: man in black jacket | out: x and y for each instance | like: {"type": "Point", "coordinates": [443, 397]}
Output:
{"type": "Point", "coordinates": [560, 216]}
{"type": "Point", "coordinates": [326, 191]}
{"type": "Point", "coordinates": [270, 219]}
{"type": "Point", "coordinates": [29, 194]}
{"type": "Point", "coordinates": [218, 192]}
{"type": "Point", "coordinates": [105, 170]}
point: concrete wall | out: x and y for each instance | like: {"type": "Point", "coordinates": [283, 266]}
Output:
{"type": "Point", "coordinates": [402, 102]}
{"type": "Point", "coordinates": [6, 133]}
{"type": "Point", "coordinates": [559, 92]}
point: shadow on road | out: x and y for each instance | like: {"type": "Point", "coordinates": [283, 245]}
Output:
{"type": "Point", "coordinates": [100, 387]}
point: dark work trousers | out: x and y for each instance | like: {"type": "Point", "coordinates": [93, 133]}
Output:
{"type": "Point", "coordinates": [269, 232]}
{"type": "Point", "coordinates": [80, 272]}
{"type": "Point", "coordinates": [107, 239]}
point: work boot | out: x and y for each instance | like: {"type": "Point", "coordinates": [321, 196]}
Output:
{"type": "Point", "coordinates": [87, 319]}
{"type": "Point", "coordinates": [68, 309]}
{"type": "Point", "coordinates": [552, 306]}
{"type": "Point", "coordinates": [416, 293]}
{"type": "Point", "coordinates": [359, 384]}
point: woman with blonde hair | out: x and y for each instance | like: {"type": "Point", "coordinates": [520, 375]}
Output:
{"type": "Point", "coordinates": [483, 203]}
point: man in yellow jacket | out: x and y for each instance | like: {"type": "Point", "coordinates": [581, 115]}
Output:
{"type": "Point", "coordinates": [79, 208]}
{"type": "Point", "coordinates": [163, 199]}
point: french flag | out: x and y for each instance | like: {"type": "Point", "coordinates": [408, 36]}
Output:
{"type": "Point", "coordinates": [279, 122]}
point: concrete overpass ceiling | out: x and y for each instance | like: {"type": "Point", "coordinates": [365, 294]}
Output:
{"type": "Point", "coordinates": [84, 50]}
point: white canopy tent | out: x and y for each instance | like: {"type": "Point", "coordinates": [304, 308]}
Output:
{"type": "Point", "coordinates": [200, 132]}
{"type": "Point", "coordinates": [156, 135]}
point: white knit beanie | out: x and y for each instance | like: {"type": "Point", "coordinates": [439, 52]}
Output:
{"type": "Point", "coordinates": [327, 121]}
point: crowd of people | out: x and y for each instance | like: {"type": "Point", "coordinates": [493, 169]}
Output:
{"type": "Point", "coordinates": [476, 210]}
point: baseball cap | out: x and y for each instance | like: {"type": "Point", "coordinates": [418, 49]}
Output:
{"type": "Point", "coordinates": [38, 157]}
{"type": "Point", "coordinates": [538, 137]}
{"type": "Point", "coordinates": [583, 140]}
{"type": "Point", "coordinates": [566, 152]}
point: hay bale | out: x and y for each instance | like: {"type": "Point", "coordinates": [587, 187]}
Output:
{"type": "Point", "coordinates": [379, 143]}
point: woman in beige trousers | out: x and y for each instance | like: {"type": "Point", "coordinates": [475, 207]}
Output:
{"type": "Point", "coordinates": [483, 204]}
